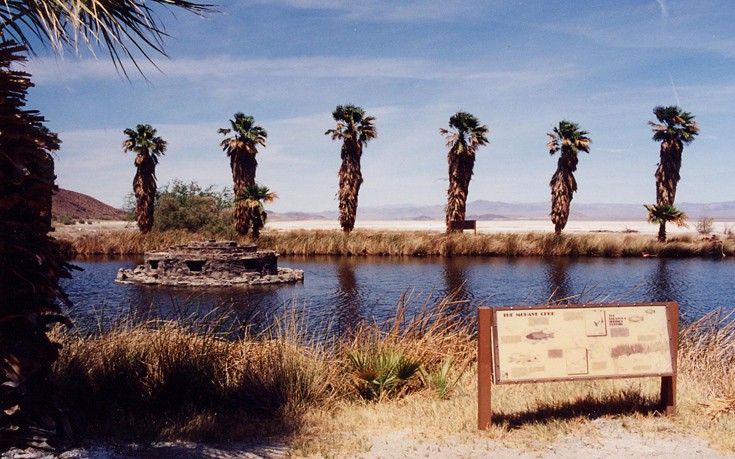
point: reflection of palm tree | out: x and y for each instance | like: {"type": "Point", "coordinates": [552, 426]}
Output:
{"type": "Point", "coordinates": [350, 302]}
{"type": "Point", "coordinates": [664, 284]}
{"type": "Point", "coordinates": [559, 283]}
{"type": "Point", "coordinates": [455, 278]}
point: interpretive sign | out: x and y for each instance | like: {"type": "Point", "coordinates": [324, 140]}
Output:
{"type": "Point", "coordinates": [577, 343]}
{"type": "Point", "coordinates": [523, 344]}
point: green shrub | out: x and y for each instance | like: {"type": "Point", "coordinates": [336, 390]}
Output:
{"type": "Point", "coordinates": [190, 207]}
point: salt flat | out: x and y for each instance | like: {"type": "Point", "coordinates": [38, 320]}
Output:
{"type": "Point", "coordinates": [497, 226]}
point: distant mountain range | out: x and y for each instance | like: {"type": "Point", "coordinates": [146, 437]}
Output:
{"type": "Point", "coordinates": [78, 205]}
{"type": "Point", "coordinates": [493, 210]}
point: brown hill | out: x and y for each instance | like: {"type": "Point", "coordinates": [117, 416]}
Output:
{"type": "Point", "coordinates": [70, 204]}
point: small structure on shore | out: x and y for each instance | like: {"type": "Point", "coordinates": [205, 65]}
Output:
{"type": "Point", "coordinates": [212, 263]}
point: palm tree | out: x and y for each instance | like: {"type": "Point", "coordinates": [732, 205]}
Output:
{"type": "Point", "coordinates": [123, 27]}
{"type": "Point", "coordinates": [676, 129]}
{"type": "Point", "coordinates": [147, 147]}
{"type": "Point", "coordinates": [355, 130]}
{"type": "Point", "coordinates": [253, 197]}
{"type": "Point", "coordinates": [662, 214]}
{"type": "Point", "coordinates": [465, 136]}
{"type": "Point", "coordinates": [567, 139]}
{"type": "Point", "coordinates": [242, 147]}
{"type": "Point", "coordinates": [30, 294]}
{"type": "Point", "coordinates": [31, 262]}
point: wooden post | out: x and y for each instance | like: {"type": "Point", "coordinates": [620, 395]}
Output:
{"type": "Point", "coordinates": [668, 383]}
{"type": "Point", "coordinates": [484, 367]}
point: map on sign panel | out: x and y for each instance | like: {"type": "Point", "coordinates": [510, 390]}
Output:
{"type": "Point", "coordinates": [532, 344]}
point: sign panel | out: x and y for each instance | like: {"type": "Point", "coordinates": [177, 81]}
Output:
{"type": "Point", "coordinates": [538, 343]}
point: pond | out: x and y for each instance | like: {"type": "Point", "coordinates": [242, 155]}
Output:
{"type": "Point", "coordinates": [347, 290]}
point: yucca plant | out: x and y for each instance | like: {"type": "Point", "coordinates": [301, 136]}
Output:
{"type": "Point", "coordinates": [381, 373]}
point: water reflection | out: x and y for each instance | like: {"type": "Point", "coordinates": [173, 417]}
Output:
{"type": "Point", "coordinates": [344, 291]}
{"type": "Point", "coordinates": [349, 301]}
{"type": "Point", "coordinates": [559, 287]}
{"type": "Point", "coordinates": [665, 283]}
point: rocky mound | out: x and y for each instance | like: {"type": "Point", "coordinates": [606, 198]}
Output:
{"type": "Point", "coordinates": [70, 204]}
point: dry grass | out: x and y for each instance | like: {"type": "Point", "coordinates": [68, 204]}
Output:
{"type": "Point", "coordinates": [420, 243]}
{"type": "Point", "coordinates": [207, 379]}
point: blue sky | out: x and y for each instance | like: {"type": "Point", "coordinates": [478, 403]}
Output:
{"type": "Point", "coordinates": [519, 66]}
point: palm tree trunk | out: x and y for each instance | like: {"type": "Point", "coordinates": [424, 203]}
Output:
{"type": "Point", "coordinates": [667, 172]}
{"type": "Point", "coordinates": [563, 185]}
{"type": "Point", "coordinates": [144, 186]}
{"type": "Point", "coordinates": [243, 166]}
{"type": "Point", "coordinates": [350, 180]}
{"type": "Point", "coordinates": [662, 231]}
{"type": "Point", "coordinates": [31, 263]}
{"type": "Point", "coordinates": [461, 165]}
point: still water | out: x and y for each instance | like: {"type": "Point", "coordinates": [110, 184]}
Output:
{"type": "Point", "coordinates": [346, 290]}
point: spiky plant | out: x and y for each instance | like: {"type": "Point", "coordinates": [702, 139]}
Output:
{"type": "Point", "coordinates": [355, 130]}
{"type": "Point", "coordinates": [676, 129]}
{"type": "Point", "coordinates": [147, 147]}
{"type": "Point", "coordinates": [568, 140]}
{"type": "Point", "coordinates": [662, 214]}
{"type": "Point", "coordinates": [252, 199]}
{"type": "Point", "coordinates": [31, 263]}
{"type": "Point", "coordinates": [463, 138]}
{"type": "Point", "coordinates": [242, 147]}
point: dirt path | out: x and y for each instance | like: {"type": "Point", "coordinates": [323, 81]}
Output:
{"type": "Point", "coordinates": [600, 439]}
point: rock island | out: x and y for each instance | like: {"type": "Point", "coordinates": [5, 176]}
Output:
{"type": "Point", "coordinates": [211, 263]}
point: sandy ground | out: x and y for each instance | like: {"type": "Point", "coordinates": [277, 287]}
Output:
{"type": "Point", "coordinates": [489, 227]}
{"type": "Point", "coordinates": [601, 438]}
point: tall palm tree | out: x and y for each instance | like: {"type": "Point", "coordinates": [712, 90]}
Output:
{"type": "Point", "coordinates": [463, 138]}
{"type": "Point", "coordinates": [568, 140]}
{"type": "Point", "coordinates": [355, 130]}
{"type": "Point", "coordinates": [147, 147]}
{"type": "Point", "coordinates": [242, 147]}
{"type": "Point", "coordinates": [30, 294]}
{"type": "Point", "coordinates": [253, 198]}
{"type": "Point", "coordinates": [676, 128]}
{"type": "Point", "coordinates": [31, 263]}
{"type": "Point", "coordinates": [662, 214]}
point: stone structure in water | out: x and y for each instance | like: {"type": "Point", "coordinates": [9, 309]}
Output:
{"type": "Point", "coordinates": [211, 263]}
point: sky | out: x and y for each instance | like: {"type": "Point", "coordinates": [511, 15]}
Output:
{"type": "Point", "coordinates": [519, 66]}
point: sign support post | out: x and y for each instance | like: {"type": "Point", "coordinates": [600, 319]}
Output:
{"type": "Point", "coordinates": [484, 368]}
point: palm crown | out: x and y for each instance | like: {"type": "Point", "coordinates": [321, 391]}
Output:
{"type": "Point", "coordinates": [352, 124]}
{"type": "Point", "coordinates": [144, 141]}
{"type": "Point", "coordinates": [246, 135]}
{"type": "Point", "coordinates": [676, 125]}
{"type": "Point", "coordinates": [467, 133]}
{"type": "Point", "coordinates": [567, 137]}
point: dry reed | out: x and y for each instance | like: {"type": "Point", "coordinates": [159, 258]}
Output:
{"type": "Point", "coordinates": [209, 379]}
{"type": "Point", "coordinates": [364, 242]}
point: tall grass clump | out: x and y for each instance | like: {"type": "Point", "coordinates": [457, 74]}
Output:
{"type": "Point", "coordinates": [149, 377]}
